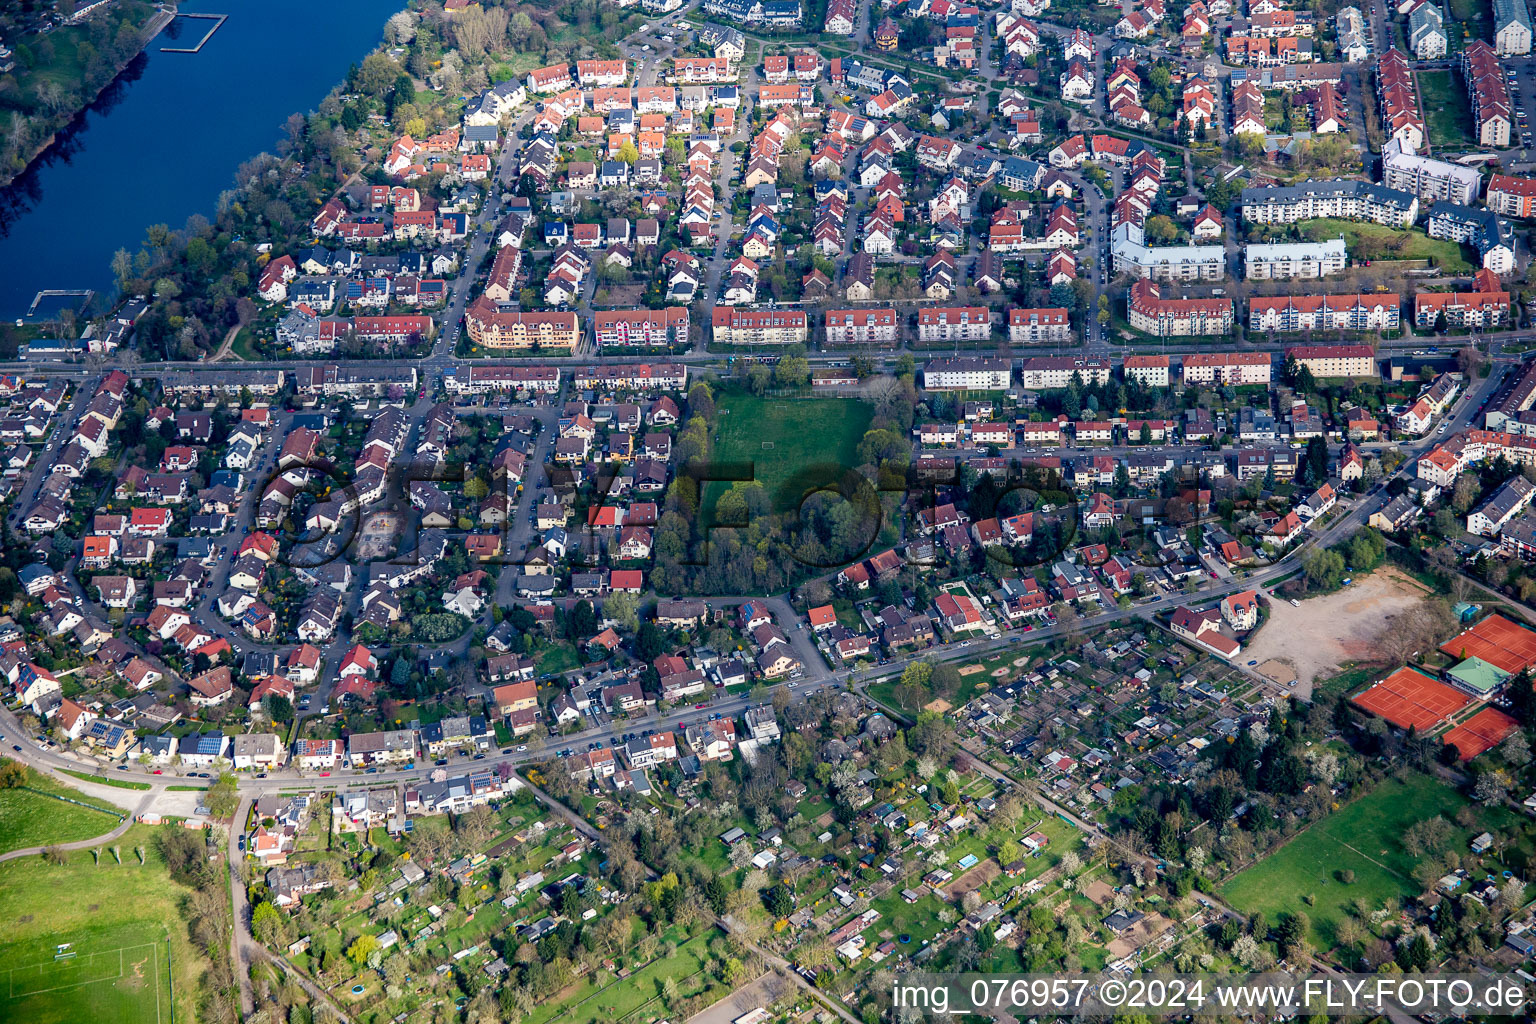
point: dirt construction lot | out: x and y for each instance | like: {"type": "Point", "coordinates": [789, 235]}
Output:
{"type": "Point", "coordinates": [1315, 639]}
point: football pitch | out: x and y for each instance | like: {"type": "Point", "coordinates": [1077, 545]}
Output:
{"type": "Point", "coordinates": [783, 438]}
{"type": "Point", "coordinates": [84, 982]}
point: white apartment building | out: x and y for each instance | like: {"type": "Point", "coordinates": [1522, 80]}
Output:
{"type": "Point", "coordinates": [967, 373]}
{"type": "Point", "coordinates": [1149, 370]}
{"type": "Point", "coordinates": [1349, 200]}
{"type": "Point", "coordinates": [1226, 368]}
{"type": "Point", "coordinates": [1046, 372]}
{"type": "Point", "coordinates": [1264, 261]}
{"type": "Point", "coordinates": [1130, 254]}
{"type": "Point", "coordinates": [1428, 178]}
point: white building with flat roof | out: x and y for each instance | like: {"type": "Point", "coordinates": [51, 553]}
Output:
{"type": "Point", "coordinates": [1131, 254]}
{"type": "Point", "coordinates": [1264, 261]}
{"type": "Point", "coordinates": [1428, 178]}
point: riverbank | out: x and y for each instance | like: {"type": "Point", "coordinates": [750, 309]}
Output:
{"type": "Point", "coordinates": [77, 188]}
{"type": "Point", "coordinates": [65, 121]}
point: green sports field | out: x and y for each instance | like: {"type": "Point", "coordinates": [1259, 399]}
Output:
{"type": "Point", "coordinates": [1365, 837]}
{"type": "Point", "coordinates": [116, 919]}
{"type": "Point", "coordinates": [782, 437]}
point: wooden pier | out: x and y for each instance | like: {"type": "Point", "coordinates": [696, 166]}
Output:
{"type": "Point", "coordinates": [217, 19]}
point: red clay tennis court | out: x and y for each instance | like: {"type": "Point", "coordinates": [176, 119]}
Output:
{"type": "Point", "coordinates": [1499, 641]}
{"type": "Point", "coordinates": [1411, 699]}
{"type": "Point", "coordinates": [1483, 731]}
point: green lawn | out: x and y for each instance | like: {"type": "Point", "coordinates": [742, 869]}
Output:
{"type": "Point", "coordinates": [117, 919]}
{"type": "Point", "coordinates": [556, 658]}
{"type": "Point", "coordinates": [105, 780]}
{"type": "Point", "coordinates": [1365, 837]}
{"type": "Point", "coordinates": [30, 818]}
{"type": "Point", "coordinates": [1478, 16]}
{"type": "Point", "coordinates": [786, 440]}
{"type": "Point", "coordinates": [1379, 242]}
{"type": "Point", "coordinates": [1447, 112]}
{"type": "Point", "coordinates": [244, 346]}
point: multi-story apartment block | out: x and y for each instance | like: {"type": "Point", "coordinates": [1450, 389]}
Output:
{"type": "Point", "coordinates": [1279, 260]}
{"type": "Point", "coordinates": [1149, 370]}
{"type": "Point", "coordinates": [1038, 326]}
{"type": "Point", "coordinates": [1511, 197]}
{"type": "Point", "coordinates": [1426, 30]}
{"type": "Point", "coordinates": [958, 323]}
{"type": "Point", "coordinates": [1397, 100]}
{"type": "Point", "coordinates": [863, 326]}
{"type": "Point", "coordinates": [1148, 311]}
{"type": "Point", "coordinates": [1492, 112]}
{"type": "Point", "coordinates": [1486, 306]}
{"type": "Point", "coordinates": [1131, 254]}
{"type": "Point", "coordinates": [1046, 372]}
{"type": "Point", "coordinates": [1226, 368]}
{"type": "Point", "coordinates": [1484, 229]}
{"type": "Point", "coordinates": [631, 377]}
{"type": "Point", "coordinates": [1348, 200]}
{"type": "Point", "coordinates": [475, 380]}
{"type": "Point", "coordinates": [492, 328]}
{"type": "Point", "coordinates": [735, 325]}
{"type": "Point", "coordinates": [623, 328]}
{"type": "Point", "coordinates": [1335, 360]}
{"type": "Point", "coordinates": [967, 373]}
{"type": "Point", "coordinates": [1323, 313]}
{"type": "Point", "coordinates": [1511, 27]}
{"type": "Point", "coordinates": [1406, 171]}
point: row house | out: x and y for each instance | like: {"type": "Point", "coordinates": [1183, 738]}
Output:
{"type": "Point", "coordinates": [1488, 93]}
{"type": "Point", "coordinates": [1397, 100]}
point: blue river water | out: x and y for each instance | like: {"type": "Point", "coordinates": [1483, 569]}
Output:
{"type": "Point", "coordinates": [165, 139]}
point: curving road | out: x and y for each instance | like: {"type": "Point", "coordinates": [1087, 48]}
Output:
{"type": "Point", "coordinates": [86, 844]}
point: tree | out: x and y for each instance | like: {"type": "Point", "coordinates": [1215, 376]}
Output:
{"type": "Point", "coordinates": [12, 774]}
{"type": "Point", "coordinates": [400, 29]}
{"type": "Point", "coordinates": [1323, 569]}
{"type": "Point", "coordinates": [758, 378]}
{"type": "Point", "coordinates": [362, 947]}
{"type": "Point", "coordinates": [222, 798]}
{"type": "Point", "coordinates": [779, 901]}
{"type": "Point", "coordinates": [791, 371]}
{"type": "Point", "coordinates": [1491, 787]}
{"type": "Point", "coordinates": [278, 707]}
{"type": "Point", "coordinates": [1161, 229]}
{"type": "Point", "coordinates": [377, 74]}
{"type": "Point", "coordinates": [649, 642]}
{"type": "Point", "coordinates": [267, 923]}
{"type": "Point", "coordinates": [623, 609]}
